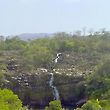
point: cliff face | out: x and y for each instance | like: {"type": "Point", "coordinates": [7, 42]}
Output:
{"type": "Point", "coordinates": [69, 78]}
{"type": "Point", "coordinates": [34, 89]}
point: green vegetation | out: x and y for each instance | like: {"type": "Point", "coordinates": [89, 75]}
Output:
{"type": "Point", "coordinates": [96, 105]}
{"type": "Point", "coordinates": [39, 52]}
{"type": "Point", "coordinates": [99, 89]}
{"type": "Point", "coordinates": [9, 101]}
{"type": "Point", "coordinates": [83, 73]}
{"type": "Point", "coordinates": [54, 105]}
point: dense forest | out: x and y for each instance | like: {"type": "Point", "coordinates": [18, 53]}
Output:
{"type": "Point", "coordinates": [81, 74]}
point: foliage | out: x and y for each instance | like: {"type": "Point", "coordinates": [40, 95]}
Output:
{"type": "Point", "coordinates": [96, 105]}
{"type": "Point", "coordinates": [39, 53]}
{"type": "Point", "coordinates": [91, 105]}
{"type": "Point", "coordinates": [105, 104]}
{"type": "Point", "coordinates": [54, 105]}
{"type": "Point", "coordinates": [9, 101]}
{"type": "Point", "coordinates": [99, 83]}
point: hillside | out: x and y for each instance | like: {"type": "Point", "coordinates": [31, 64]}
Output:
{"type": "Point", "coordinates": [27, 36]}
{"type": "Point", "coordinates": [78, 64]}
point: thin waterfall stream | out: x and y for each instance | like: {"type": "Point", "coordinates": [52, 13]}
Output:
{"type": "Point", "coordinates": [54, 88]}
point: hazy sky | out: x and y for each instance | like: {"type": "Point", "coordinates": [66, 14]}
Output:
{"type": "Point", "coordinates": [37, 16]}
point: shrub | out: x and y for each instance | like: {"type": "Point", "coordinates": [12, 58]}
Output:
{"type": "Point", "coordinates": [9, 101]}
{"type": "Point", "coordinates": [54, 105]}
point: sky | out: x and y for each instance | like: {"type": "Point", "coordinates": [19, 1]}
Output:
{"type": "Point", "coordinates": [49, 16]}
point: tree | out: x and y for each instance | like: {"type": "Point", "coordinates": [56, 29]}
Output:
{"type": "Point", "coordinates": [84, 31]}
{"type": "Point", "coordinates": [96, 105]}
{"type": "Point", "coordinates": [9, 101]}
{"type": "Point", "coordinates": [54, 105]}
{"type": "Point", "coordinates": [92, 105]}
{"type": "Point", "coordinates": [105, 104]}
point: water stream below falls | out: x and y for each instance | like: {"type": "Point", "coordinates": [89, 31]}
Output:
{"type": "Point", "coordinates": [54, 88]}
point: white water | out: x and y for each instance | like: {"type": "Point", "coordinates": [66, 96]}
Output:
{"type": "Point", "coordinates": [55, 91]}
{"type": "Point", "coordinates": [57, 58]}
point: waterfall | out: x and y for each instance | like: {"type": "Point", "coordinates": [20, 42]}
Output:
{"type": "Point", "coordinates": [57, 58]}
{"type": "Point", "coordinates": [54, 88]}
